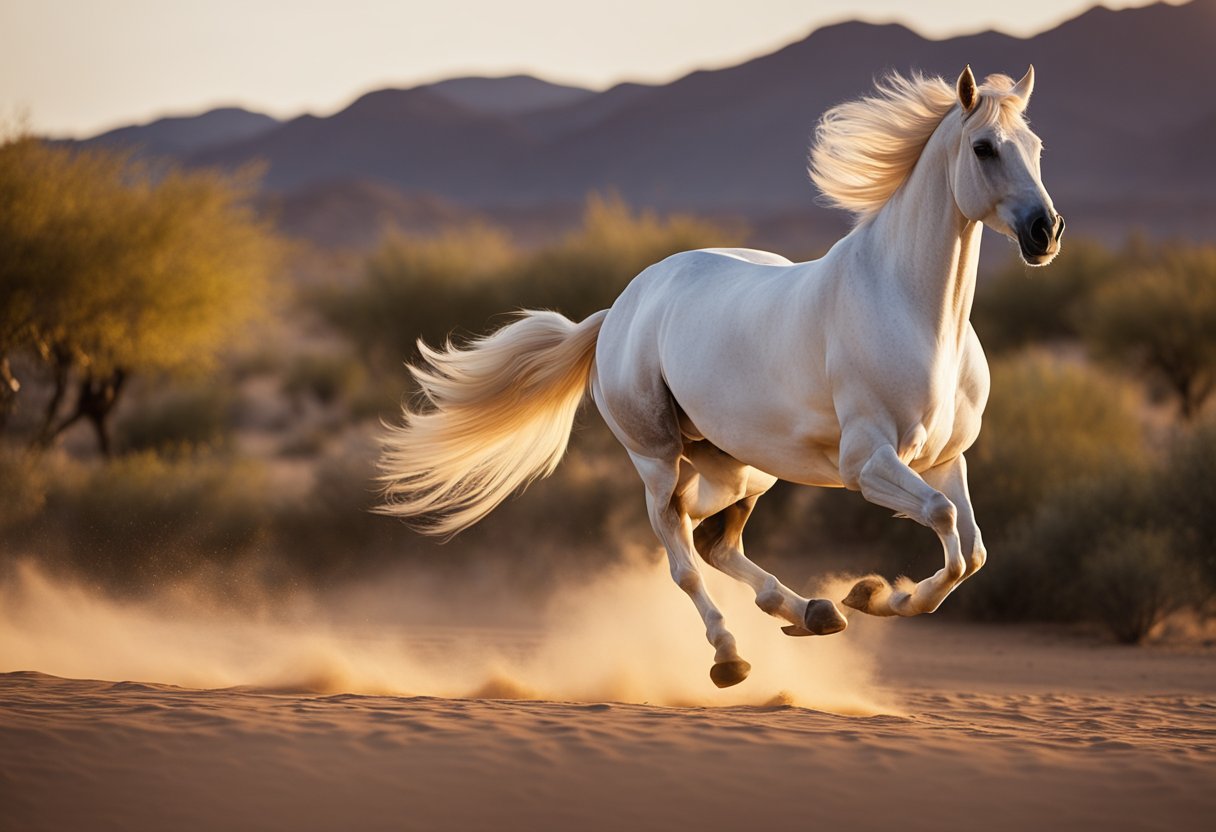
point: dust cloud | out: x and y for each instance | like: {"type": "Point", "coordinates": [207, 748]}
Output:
{"type": "Point", "coordinates": [625, 635]}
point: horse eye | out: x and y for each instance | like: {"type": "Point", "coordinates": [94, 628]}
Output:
{"type": "Point", "coordinates": [984, 150]}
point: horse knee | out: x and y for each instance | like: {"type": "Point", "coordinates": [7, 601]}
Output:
{"type": "Point", "coordinates": [940, 514]}
{"type": "Point", "coordinates": [769, 601]}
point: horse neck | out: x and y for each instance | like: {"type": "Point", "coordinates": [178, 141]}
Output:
{"type": "Point", "coordinates": [927, 249]}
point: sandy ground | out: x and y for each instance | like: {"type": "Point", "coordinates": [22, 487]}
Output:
{"type": "Point", "coordinates": [986, 728]}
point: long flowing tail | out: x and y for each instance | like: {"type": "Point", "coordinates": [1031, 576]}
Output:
{"type": "Point", "coordinates": [498, 414]}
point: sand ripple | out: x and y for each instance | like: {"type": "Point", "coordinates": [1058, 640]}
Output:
{"type": "Point", "coordinates": [105, 755]}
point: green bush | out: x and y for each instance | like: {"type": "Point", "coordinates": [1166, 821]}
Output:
{"type": "Point", "coordinates": [324, 377]}
{"type": "Point", "coordinates": [1186, 489]}
{"type": "Point", "coordinates": [110, 269]}
{"type": "Point", "coordinates": [1159, 318]}
{"type": "Point", "coordinates": [421, 288]}
{"type": "Point", "coordinates": [463, 281]}
{"type": "Point", "coordinates": [196, 417]}
{"type": "Point", "coordinates": [1050, 425]}
{"type": "Point", "coordinates": [142, 518]}
{"type": "Point", "coordinates": [1060, 462]}
{"type": "Point", "coordinates": [1043, 566]}
{"type": "Point", "coordinates": [1035, 568]}
{"type": "Point", "coordinates": [586, 271]}
{"type": "Point", "coordinates": [1020, 305]}
{"type": "Point", "coordinates": [1133, 578]}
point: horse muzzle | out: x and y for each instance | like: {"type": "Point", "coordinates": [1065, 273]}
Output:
{"type": "Point", "coordinates": [1039, 237]}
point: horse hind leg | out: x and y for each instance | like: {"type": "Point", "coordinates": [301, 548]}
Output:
{"type": "Point", "coordinates": [641, 413]}
{"type": "Point", "coordinates": [719, 539]}
{"type": "Point", "coordinates": [675, 529]}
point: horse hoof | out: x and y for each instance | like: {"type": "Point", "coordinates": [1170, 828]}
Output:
{"type": "Point", "coordinates": [822, 618]}
{"type": "Point", "coordinates": [866, 595]}
{"type": "Point", "coordinates": [725, 674]}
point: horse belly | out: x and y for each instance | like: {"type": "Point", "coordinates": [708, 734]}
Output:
{"type": "Point", "coordinates": [711, 480]}
{"type": "Point", "coordinates": [792, 448]}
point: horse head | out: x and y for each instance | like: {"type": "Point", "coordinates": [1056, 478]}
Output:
{"type": "Point", "coordinates": [996, 173]}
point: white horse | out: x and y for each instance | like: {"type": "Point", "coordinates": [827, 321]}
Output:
{"type": "Point", "coordinates": [723, 370]}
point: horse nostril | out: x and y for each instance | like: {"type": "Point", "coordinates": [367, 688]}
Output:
{"type": "Point", "coordinates": [1059, 226]}
{"type": "Point", "coordinates": [1041, 231]}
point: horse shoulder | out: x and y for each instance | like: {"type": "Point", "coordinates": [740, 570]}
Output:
{"type": "Point", "coordinates": [901, 391]}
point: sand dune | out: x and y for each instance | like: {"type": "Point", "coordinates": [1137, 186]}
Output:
{"type": "Point", "coordinates": [994, 729]}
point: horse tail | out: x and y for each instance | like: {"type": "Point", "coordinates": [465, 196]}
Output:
{"type": "Point", "coordinates": [496, 415]}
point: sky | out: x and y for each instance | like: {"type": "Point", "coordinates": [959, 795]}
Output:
{"type": "Point", "coordinates": [77, 67]}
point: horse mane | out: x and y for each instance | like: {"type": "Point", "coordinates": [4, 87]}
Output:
{"type": "Point", "coordinates": [865, 149]}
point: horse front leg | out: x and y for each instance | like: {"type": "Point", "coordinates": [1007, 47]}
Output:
{"type": "Point", "coordinates": [951, 479]}
{"type": "Point", "coordinates": [885, 480]}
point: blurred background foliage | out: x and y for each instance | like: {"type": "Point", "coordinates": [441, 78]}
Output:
{"type": "Point", "coordinates": [108, 271]}
{"type": "Point", "coordinates": [180, 395]}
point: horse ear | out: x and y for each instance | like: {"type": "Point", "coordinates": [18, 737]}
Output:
{"type": "Point", "coordinates": [1025, 87]}
{"type": "Point", "coordinates": [966, 89]}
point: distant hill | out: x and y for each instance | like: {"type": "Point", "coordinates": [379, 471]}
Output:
{"type": "Point", "coordinates": [181, 136]}
{"type": "Point", "coordinates": [416, 139]}
{"type": "Point", "coordinates": [510, 95]}
{"type": "Point", "coordinates": [1124, 102]}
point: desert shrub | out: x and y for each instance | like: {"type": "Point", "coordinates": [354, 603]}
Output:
{"type": "Point", "coordinates": [465, 281]}
{"type": "Point", "coordinates": [1160, 318]}
{"type": "Point", "coordinates": [194, 417]}
{"type": "Point", "coordinates": [253, 362]}
{"type": "Point", "coordinates": [1021, 305]}
{"type": "Point", "coordinates": [1186, 489]}
{"type": "Point", "coordinates": [143, 518]}
{"type": "Point", "coordinates": [1043, 567]}
{"type": "Point", "coordinates": [328, 532]}
{"type": "Point", "coordinates": [380, 397]}
{"type": "Point", "coordinates": [1050, 425]}
{"type": "Point", "coordinates": [830, 529]}
{"type": "Point", "coordinates": [324, 377]}
{"type": "Point", "coordinates": [587, 516]}
{"type": "Point", "coordinates": [1132, 579]}
{"type": "Point", "coordinates": [420, 288]}
{"type": "Point", "coordinates": [1035, 568]}
{"type": "Point", "coordinates": [109, 269]}
{"type": "Point", "coordinates": [1060, 463]}
{"type": "Point", "coordinates": [585, 272]}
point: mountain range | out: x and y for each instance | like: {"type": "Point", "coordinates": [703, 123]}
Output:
{"type": "Point", "coordinates": [1125, 102]}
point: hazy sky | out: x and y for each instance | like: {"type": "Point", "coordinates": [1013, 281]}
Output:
{"type": "Point", "coordinates": [79, 66]}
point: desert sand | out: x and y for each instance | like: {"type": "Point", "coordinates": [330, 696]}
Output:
{"type": "Point", "coordinates": [908, 724]}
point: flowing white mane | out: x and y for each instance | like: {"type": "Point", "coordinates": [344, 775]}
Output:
{"type": "Point", "coordinates": [864, 149]}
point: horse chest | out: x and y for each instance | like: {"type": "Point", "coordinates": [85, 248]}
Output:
{"type": "Point", "coordinates": [943, 427]}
